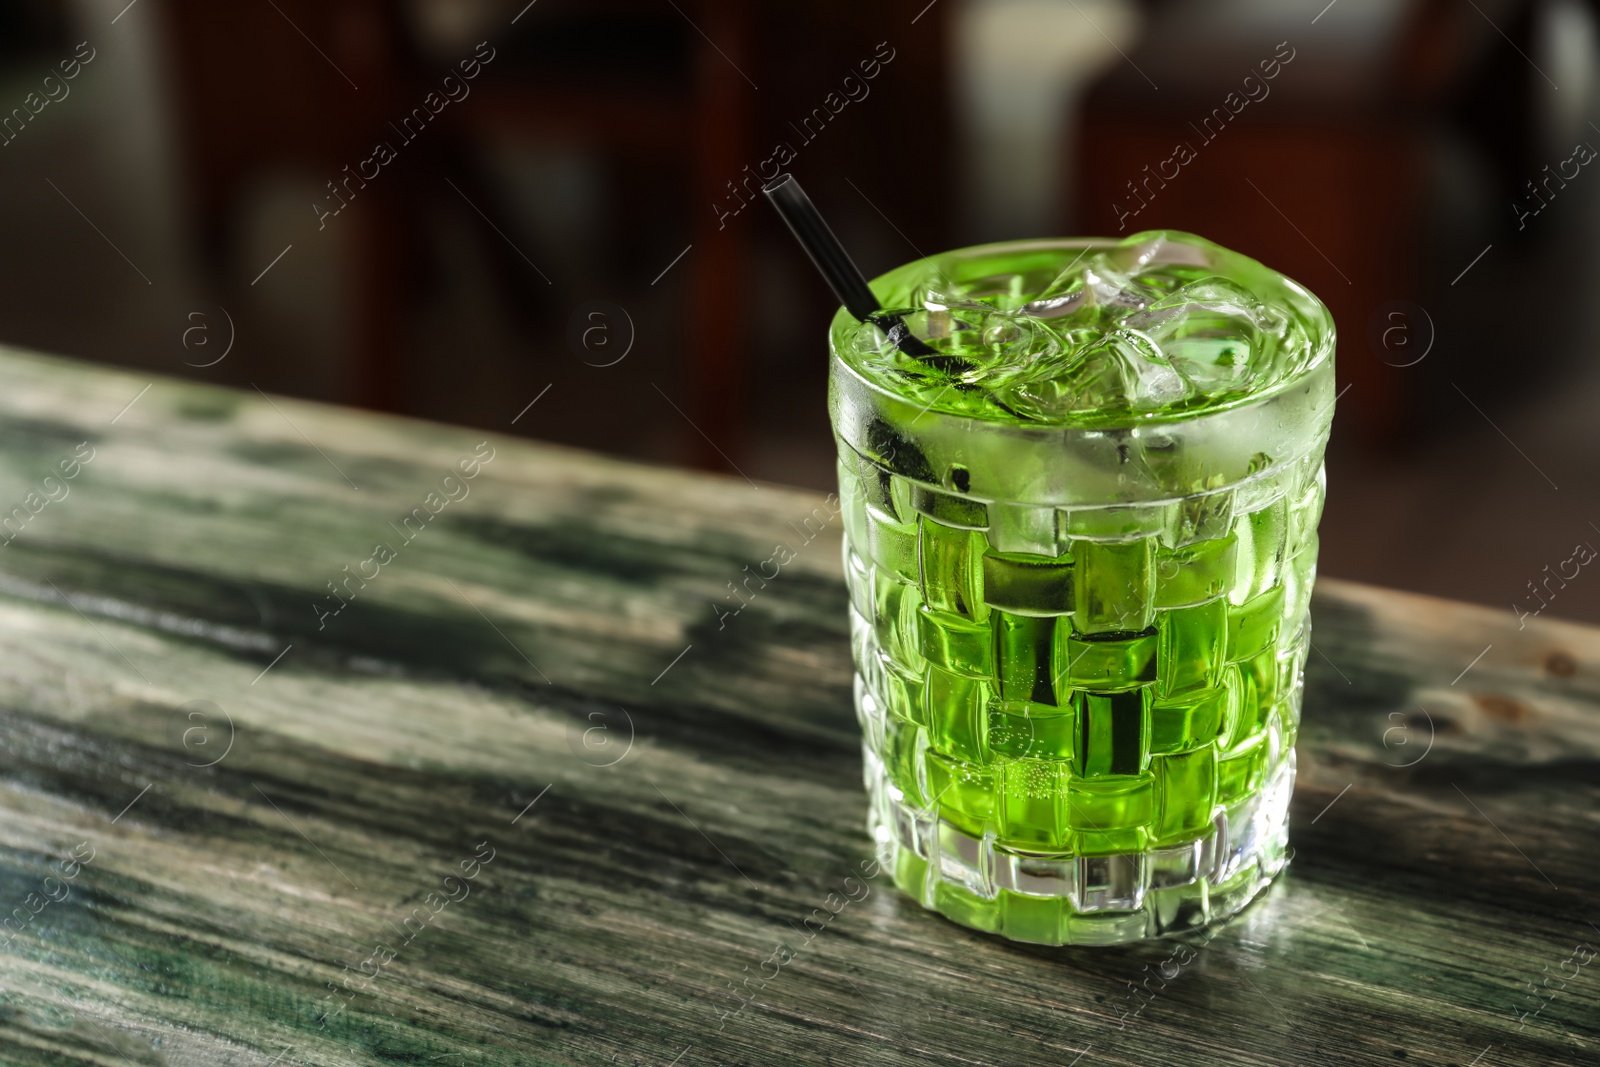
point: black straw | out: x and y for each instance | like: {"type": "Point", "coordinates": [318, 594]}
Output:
{"type": "Point", "coordinates": [837, 268]}
{"type": "Point", "coordinates": [829, 256]}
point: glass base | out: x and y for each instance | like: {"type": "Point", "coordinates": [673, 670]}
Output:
{"type": "Point", "coordinates": [1053, 898]}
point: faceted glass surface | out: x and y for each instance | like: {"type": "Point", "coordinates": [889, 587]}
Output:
{"type": "Point", "coordinates": [1080, 631]}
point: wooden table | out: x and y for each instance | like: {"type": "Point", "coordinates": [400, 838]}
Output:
{"type": "Point", "coordinates": [524, 801]}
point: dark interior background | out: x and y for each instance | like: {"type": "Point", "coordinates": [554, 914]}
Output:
{"type": "Point", "coordinates": [570, 233]}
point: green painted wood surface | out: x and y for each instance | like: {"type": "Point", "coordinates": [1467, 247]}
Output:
{"type": "Point", "coordinates": [263, 823]}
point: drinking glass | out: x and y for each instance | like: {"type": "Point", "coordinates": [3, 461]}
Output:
{"type": "Point", "coordinates": [1079, 630]}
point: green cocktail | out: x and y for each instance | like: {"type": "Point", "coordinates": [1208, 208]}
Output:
{"type": "Point", "coordinates": [1081, 538]}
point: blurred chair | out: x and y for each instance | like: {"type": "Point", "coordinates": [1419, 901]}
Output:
{"type": "Point", "coordinates": [1328, 176]}
{"type": "Point", "coordinates": [626, 80]}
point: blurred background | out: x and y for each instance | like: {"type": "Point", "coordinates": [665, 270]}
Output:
{"type": "Point", "coordinates": [558, 236]}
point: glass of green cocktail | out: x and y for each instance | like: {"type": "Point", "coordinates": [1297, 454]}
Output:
{"type": "Point", "coordinates": [1081, 511]}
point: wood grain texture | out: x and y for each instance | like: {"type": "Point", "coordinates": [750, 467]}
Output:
{"type": "Point", "coordinates": [550, 639]}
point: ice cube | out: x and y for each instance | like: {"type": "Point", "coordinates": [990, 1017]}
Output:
{"type": "Point", "coordinates": [1093, 282]}
{"type": "Point", "coordinates": [877, 339]}
{"type": "Point", "coordinates": [1147, 251]}
{"type": "Point", "coordinates": [976, 345]}
{"type": "Point", "coordinates": [871, 342]}
{"type": "Point", "coordinates": [1056, 306]}
{"type": "Point", "coordinates": [941, 294]}
{"type": "Point", "coordinates": [938, 323]}
{"type": "Point", "coordinates": [1218, 301]}
{"type": "Point", "coordinates": [1151, 381]}
{"type": "Point", "coordinates": [1113, 289]}
{"type": "Point", "coordinates": [1003, 292]}
{"type": "Point", "coordinates": [1125, 371]}
{"type": "Point", "coordinates": [1008, 337]}
{"type": "Point", "coordinates": [1016, 346]}
{"type": "Point", "coordinates": [1215, 333]}
{"type": "Point", "coordinates": [1213, 365]}
{"type": "Point", "coordinates": [1070, 277]}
